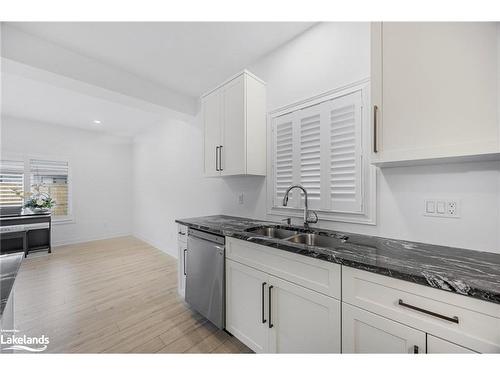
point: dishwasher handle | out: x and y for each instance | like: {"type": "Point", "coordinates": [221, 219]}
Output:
{"type": "Point", "coordinates": [204, 236]}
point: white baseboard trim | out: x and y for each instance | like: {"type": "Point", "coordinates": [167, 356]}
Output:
{"type": "Point", "coordinates": [73, 241]}
{"type": "Point", "coordinates": [155, 245]}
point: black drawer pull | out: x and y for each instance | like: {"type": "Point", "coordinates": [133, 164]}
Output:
{"type": "Point", "coordinates": [415, 349]}
{"type": "Point", "coordinates": [263, 317]}
{"type": "Point", "coordinates": [375, 139]}
{"type": "Point", "coordinates": [217, 158]}
{"type": "Point", "coordinates": [181, 233]}
{"type": "Point", "coordinates": [184, 263]}
{"type": "Point", "coordinates": [271, 325]}
{"type": "Point", "coordinates": [453, 320]}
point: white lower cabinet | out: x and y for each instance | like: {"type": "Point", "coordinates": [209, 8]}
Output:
{"type": "Point", "coordinates": [271, 315]}
{"type": "Point", "coordinates": [460, 320]}
{"type": "Point", "coordinates": [181, 259]}
{"type": "Point", "coordinates": [365, 332]}
{"type": "Point", "coordinates": [280, 302]}
{"type": "Point", "coordinates": [246, 294]}
{"type": "Point", "coordinates": [302, 320]}
{"type": "Point", "coordinates": [435, 345]}
{"type": "Point", "coordinates": [181, 277]}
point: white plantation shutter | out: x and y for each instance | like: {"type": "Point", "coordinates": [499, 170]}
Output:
{"type": "Point", "coordinates": [345, 153]}
{"type": "Point", "coordinates": [283, 156]}
{"type": "Point", "coordinates": [310, 153]}
{"type": "Point", "coordinates": [320, 147]}
{"type": "Point", "coordinates": [11, 178]}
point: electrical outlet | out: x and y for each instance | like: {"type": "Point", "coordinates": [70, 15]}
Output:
{"type": "Point", "coordinates": [451, 208]}
{"type": "Point", "coordinates": [442, 208]}
{"type": "Point", "coordinates": [241, 198]}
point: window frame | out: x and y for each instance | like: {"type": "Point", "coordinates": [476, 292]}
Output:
{"type": "Point", "coordinates": [67, 219]}
{"type": "Point", "coordinates": [369, 172]}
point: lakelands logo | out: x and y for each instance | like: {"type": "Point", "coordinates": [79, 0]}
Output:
{"type": "Point", "coordinates": [9, 342]}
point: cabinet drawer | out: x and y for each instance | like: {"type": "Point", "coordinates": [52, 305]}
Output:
{"type": "Point", "coordinates": [471, 323]}
{"type": "Point", "coordinates": [182, 233]}
{"type": "Point", "coordinates": [435, 345]}
{"type": "Point", "coordinates": [321, 276]}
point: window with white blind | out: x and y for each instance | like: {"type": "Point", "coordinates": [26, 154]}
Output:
{"type": "Point", "coordinates": [11, 183]}
{"type": "Point", "coordinates": [51, 177]}
{"type": "Point", "coordinates": [319, 144]}
{"type": "Point", "coordinates": [20, 175]}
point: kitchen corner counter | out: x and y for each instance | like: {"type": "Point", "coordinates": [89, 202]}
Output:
{"type": "Point", "coordinates": [467, 272]}
{"type": "Point", "coordinates": [9, 267]}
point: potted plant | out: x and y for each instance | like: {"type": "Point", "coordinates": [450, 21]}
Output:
{"type": "Point", "coordinates": [37, 201]}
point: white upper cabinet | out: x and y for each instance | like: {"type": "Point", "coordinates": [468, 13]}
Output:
{"type": "Point", "coordinates": [434, 91]}
{"type": "Point", "coordinates": [234, 120]}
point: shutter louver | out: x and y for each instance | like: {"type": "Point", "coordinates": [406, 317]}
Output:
{"type": "Point", "coordinates": [310, 153]}
{"type": "Point", "coordinates": [283, 156]}
{"type": "Point", "coordinates": [345, 153]}
{"type": "Point", "coordinates": [11, 181]}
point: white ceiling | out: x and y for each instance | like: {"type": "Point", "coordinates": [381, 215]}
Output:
{"type": "Point", "coordinates": [189, 57]}
{"type": "Point", "coordinates": [44, 102]}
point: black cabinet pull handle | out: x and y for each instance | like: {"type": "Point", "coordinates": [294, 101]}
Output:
{"type": "Point", "coordinates": [220, 159]}
{"type": "Point", "coordinates": [271, 325]}
{"type": "Point", "coordinates": [263, 317]}
{"type": "Point", "coordinates": [444, 317]}
{"type": "Point", "coordinates": [375, 141]}
{"type": "Point", "coordinates": [185, 251]}
{"type": "Point", "coordinates": [217, 158]}
{"type": "Point", "coordinates": [415, 349]}
{"type": "Point", "coordinates": [181, 233]}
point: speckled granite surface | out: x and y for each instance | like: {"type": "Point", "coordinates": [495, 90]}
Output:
{"type": "Point", "coordinates": [467, 272]}
{"type": "Point", "coordinates": [9, 267]}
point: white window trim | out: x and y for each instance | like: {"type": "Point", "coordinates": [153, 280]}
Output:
{"type": "Point", "coordinates": [68, 219]}
{"type": "Point", "coordinates": [368, 214]}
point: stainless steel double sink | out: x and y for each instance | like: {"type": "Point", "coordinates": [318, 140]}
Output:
{"type": "Point", "coordinates": [294, 236]}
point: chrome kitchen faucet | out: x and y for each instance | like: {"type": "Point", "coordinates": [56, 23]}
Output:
{"type": "Point", "coordinates": [307, 219]}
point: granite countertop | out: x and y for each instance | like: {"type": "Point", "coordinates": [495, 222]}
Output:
{"type": "Point", "coordinates": [9, 267]}
{"type": "Point", "coordinates": [468, 272]}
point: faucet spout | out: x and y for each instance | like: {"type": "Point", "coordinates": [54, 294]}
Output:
{"type": "Point", "coordinates": [307, 220]}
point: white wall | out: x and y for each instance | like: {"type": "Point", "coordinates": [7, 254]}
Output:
{"type": "Point", "coordinates": [100, 171]}
{"type": "Point", "coordinates": [335, 54]}
{"type": "Point", "coordinates": [325, 57]}
{"type": "Point", "coordinates": [169, 184]}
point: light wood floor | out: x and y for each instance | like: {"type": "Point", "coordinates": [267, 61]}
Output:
{"type": "Point", "coordinates": [112, 296]}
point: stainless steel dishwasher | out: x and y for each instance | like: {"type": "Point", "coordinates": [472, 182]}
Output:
{"type": "Point", "coordinates": [205, 289]}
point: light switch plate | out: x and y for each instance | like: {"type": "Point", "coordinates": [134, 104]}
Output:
{"type": "Point", "coordinates": [439, 207]}
{"type": "Point", "coordinates": [430, 207]}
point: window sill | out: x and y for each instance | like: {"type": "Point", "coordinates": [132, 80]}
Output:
{"type": "Point", "coordinates": [345, 217]}
{"type": "Point", "coordinates": [63, 220]}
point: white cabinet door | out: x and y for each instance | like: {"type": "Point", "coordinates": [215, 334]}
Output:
{"type": "Point", "coordinates": [435, 345]}
{"type": "Point", "coordinates": [212, 124]}
{"type": "Point", "coordinates": [435, 85]}
{"type": "Point", "coordinates": [233, 146]}
{"type": "Point", "coordinates": [246, 305]}
{"type": "Point", "coordinates": [365, 332]}
{"type": "Point", "coordinates": [181, 270]}
{"type": "Point", "coordinates": [302, 321]}
{"type": "Point", "coordinates": [234, 116]}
